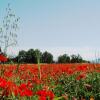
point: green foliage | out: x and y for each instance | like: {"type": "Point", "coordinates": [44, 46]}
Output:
{"type": "Point", "coordinates": [64, 59]}
{"type": "Point", "coordinates": [90, 86]}
{"type": "Point", "coordinates": [47, 57]}
{"type": "Point", "coordinates": [38, 55]}
{"type": "Point", "coordinates": [22, 56]}
{"type": "Point", "coordinates": [31, 56]}
{"type": "Point", "coordinates": [70, 59]}
{"type": "Point", "coordinates": [76, 59]}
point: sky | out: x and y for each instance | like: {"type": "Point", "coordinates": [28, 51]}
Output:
{"type": "Point", "coordinates": [58, 26]}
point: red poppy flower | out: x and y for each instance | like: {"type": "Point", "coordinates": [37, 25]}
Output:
{"type": "Point", "coordinates": [26, 92]}
{"type": "Point", "coordinates": [81, 76]}
{"type": "Point", "coordinates": [3, 83]}
{"type": "Point", "coordinates": [3, 58]}
{"type": "Point", "coordinates": [44, 93]}
{"type": "Point", "coordinates": [42, 98]}
{"type": "Point", "coordinates": [81, 68]}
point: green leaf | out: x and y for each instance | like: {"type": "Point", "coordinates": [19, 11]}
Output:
{"type": "Point", "coordinates": [58, 98]}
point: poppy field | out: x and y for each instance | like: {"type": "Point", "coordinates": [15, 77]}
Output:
{"type": "Point", "coordinates": [37, 69]}
{"type": "Point", "coordinates": [49, 82]}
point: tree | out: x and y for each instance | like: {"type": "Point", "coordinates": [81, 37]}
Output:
{"type": "Point", "coordinates": [30, 56]}
{"type": "Point", "coordinates": [8, 36]}
{"type": "Point", "coordinates": [64, 59]}
{"type": "Point", "coordinates": [76, 59]}
{"type": "Point", "coordinates": [22, 56]}
{"type": "Point", "coordinates": [47, 57]}
{"type": "Point", "coordinates": [38, 56]}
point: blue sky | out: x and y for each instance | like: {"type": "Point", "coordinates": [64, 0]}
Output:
{"type": "Point", "coordinates": [59, 26]}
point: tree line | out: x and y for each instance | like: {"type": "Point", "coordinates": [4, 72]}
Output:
{"type": "Point", "coordinates": [32, 55]}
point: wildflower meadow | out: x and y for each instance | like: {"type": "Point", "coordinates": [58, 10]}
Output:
{"type": "Point", "coordinates": [49, 81]}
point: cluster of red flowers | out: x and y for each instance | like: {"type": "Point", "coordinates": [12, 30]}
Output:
{"type": "Point", "coordinates": [81, 76]}
{"type": "Point", "coordinates": [3, 58]}
{"type": "Point", "coordinates": [11, 87]}
{"type": "Point", "coordinates": [29, 77]}
{"type": "Point", "coordinates": [43, 94]}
